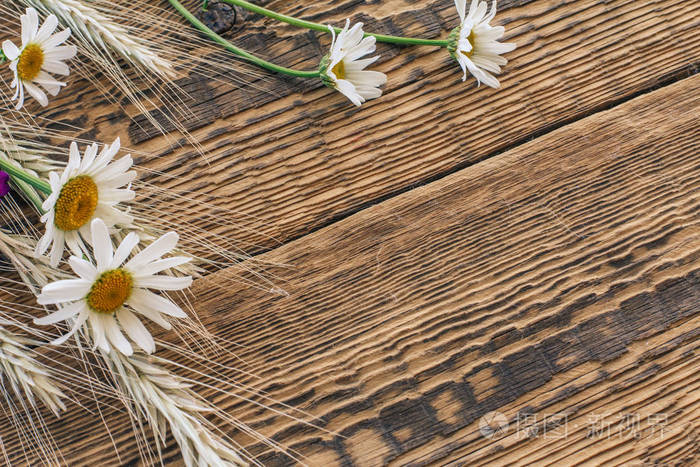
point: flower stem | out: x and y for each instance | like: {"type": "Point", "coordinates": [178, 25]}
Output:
{"type": "Point", "coordinates": [238, 51]}
{"type": "Point", "coordinates": [20, 174]}
{"type": "Point", "coordinates": [320, 27]}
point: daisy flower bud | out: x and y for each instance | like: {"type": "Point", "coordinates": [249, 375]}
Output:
{"type": "Point", "coordinates": [474, 43]}
{"type": "Point", "coordinates": [343, 70]}
{"type": "Point", "coordinates": [109, 294]}
{"type": "Point", "coordinates": [41, 53]}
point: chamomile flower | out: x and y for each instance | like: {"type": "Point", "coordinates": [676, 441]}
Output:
{"type": "Point", "coordinates": [41, 53]}
{"type": "Point", "coordinates": [87, 189]}
{"type": "Point", "coordinates": [342, 68]}
{"type": "Point", "coordinates": [109, 294]}
{"type": "Point", "coordinates": [474, 43]}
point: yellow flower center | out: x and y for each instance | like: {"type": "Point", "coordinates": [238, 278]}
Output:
{"type": "Point", "coordinates": [110, 291]}
{"type": "Point", "coordinates": [76, 203]}
{"type": "Point", "coordinates": [339, 70]}
{"type": "Point", "coordinates": [471, 40]}
{"type": "Point", "coordinates": [30, 62]}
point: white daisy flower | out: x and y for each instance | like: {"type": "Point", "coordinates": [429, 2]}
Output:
{"type": "Point", "coordinates": [474, 43]}
{"type": "Point", "coordinates": [41, 53]}
{"type": "Point", "coordinates": [107, 294]}
{"type": "Point", "coordinates": [343, 70]}
{"type": "Point", "coordinates": [86, 190]}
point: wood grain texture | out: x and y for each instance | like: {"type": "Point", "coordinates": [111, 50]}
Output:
{"type": "Point", "coordinates": [286, 157]}
{"type": "Point", "coordinates": [560, 278]}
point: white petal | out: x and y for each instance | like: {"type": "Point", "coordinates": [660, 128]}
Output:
{"type": "Point", "coordinates": [112, 216]}
{"type": "Point", "coordinates": [37, 93]}
{"type": "Point", "coordinates": [348, 90]}
{"type": "Point", "coordinates": [78, 322]}
{"type": "Point", "coordinates": [98, 331]}
{"type": "Point", "coordinates": [160, 265]}
{"type": "Point", "coordinates": [118, 180]}
{"type": "Point", "coordinates": [367, 46]}
{"type": "Point", "coordinates": [75, 244]}
{"type": "Point", "coordinates": [124, 250]}
{"type": "Point", "coordinates": [62, 314]}
{"type": "Point", "coordinates": [56, 67]}
{"type": "Point", "coordinates": [73, 162]}
{"type": "Point", "coordinates": [64, 52]}
{"type": "Point", "coordinates": [480, 12]}
{"type": "Point", "coordinates": [43, 243]}
{"type": "Point", "coordinates": [10, 50]}
{"type": "Point", "coordinates": [55, 182]}
{"type": "Point", "coordinates": [48, 82]}
{"type": "Point", "coordinates": [19, 94]}
{"type": "Point", "coordinates": [57, 39]}
{"type": "Point", "coordinates": [472, 9]}
{"type": "Point", "coordinates": [88, 157]}
{"type": "Point", "coordinates": [461, 8]}
{"type": "Point", "coordinates": [135, 329]}
{"type": "Point", "coordinates": [367, 78]}
{"type": "Point", "coordinates": [57, 248]}
{"type": "Point", "coordinates": [116, 195]}
{"type": "Point", "coordinates": [108, 152]}
{"type": "Point", "coordinates": [64, 291]}
{"type": "Point", "coordinates": [101, 245]}
{"type": "Point", "coordinates": [83, 268]}
{"type": "Point", "coordinates": [153, 315]}
{"type": "Point", "coordinates": [114, 169]}
{"type": "Point", "coordinates": [163, 282]}
{"type": "Point", "coordinates": [52, 88]}
{"type": "Point", "coordinates": [141, 298]}
{"type": "Point", "coordinates": [47, 28]}
{"type": "Point", "coordinates": [368, 92]}
{"type": "Point", "coordinates": [30, 24]}
{"type": "Point", "coordinates": [353, 37]}
{"type": "Point", "coordinates": [155, 250]}
{"type": "Point", "coordinates": [360, 64]}
{"type": "Point", "coordinates": [116, 337]}
{"type": "Point", "coordinates": [492, 13]}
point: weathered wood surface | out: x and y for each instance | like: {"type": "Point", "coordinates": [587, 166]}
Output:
{"type": "Point", "coordinates": [560, 277]}
{"type": "Point", "coordinates": [288, 156]}
{"type": "Point", "coordinates": [557, 278]}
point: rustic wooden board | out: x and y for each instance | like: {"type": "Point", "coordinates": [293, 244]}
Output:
{"type": "Point", "coordinates": [560, 278]}
{"type": "Point", "coordinates": [286, 157]}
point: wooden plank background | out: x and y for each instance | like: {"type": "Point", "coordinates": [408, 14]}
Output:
{"type": "Point", "coordinates": [450, 251]}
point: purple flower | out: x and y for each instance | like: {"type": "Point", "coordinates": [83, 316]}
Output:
{"type": "Point", "coordinates": [4, 183]}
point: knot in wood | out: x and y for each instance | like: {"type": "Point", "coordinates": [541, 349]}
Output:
{"type": "Point", "coordinates": [219, 17]}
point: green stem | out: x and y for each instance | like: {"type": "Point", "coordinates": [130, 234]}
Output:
{"type": "Point", "coordinates": [20, 174]}
{"type": "Point", "coordinates": [320, 27]}
{"type": "Point", "coordinates": [238, 51]}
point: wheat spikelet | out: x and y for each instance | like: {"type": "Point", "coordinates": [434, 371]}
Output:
{"type": "Point", "coordinates": [28, 377]}
{"type": "Point", "coordinates": [163, 399]}
{"type": "Point", "coordinates": [97, 28]}
{"type": "Point", "coordinates": [18, 363]}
